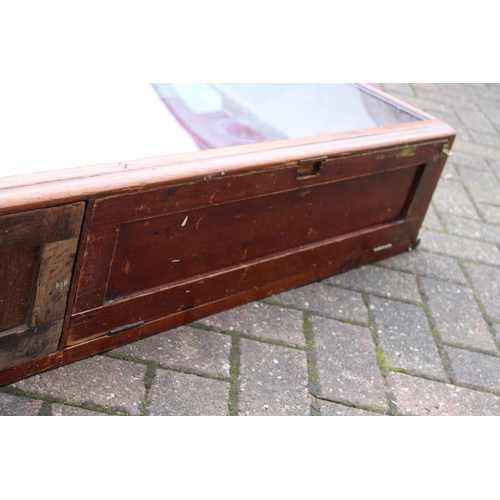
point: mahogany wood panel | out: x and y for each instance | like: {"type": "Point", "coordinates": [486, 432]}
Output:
{"type": "Point", "coordinates": [169, 248]}
{"type": "Point", "coordinates": [297, 266]}
{"type": "Point", "coordinates": [161, 252]}
{"type": "Point", "coordinates": [182, 195]}
{"type": "Point", "coordinates": [109, 213]}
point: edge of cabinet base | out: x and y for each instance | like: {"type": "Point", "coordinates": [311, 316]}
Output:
{"type": "Point", "coordinates": [102, 344]}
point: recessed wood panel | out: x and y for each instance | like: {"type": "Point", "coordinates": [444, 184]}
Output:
{"type": "Point", "coordinates": [165, 249]}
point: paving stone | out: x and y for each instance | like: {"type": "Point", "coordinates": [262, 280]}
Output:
{"type": "Point", "coordinates": [346, 364]}
{"type": "Point", "coordinates": [452, 101]}
{"type": "Point", "coordinates": [459, 247]}
{"type": "Point", "coordinates": [17, 406]}
{"type": "Point", "coordinates": [472, 228]}
{"type": "Point", "coordinates": [450, 172]}
{"type": "Point", "coordinates": [182, 394]}
{"type": "Point", "coordinates": [467, 160]}
{"type": "Point", "coordinates": [421, 397]}
{"type": "Point", "coordinates": [484, 138]}
{"type": "Point", "coordinates": [433, 88]}
{"type": "Point", "coordinates": [486, 281]}
{"type": "Point", "coordinates": [336, 410]}
{"type": "Point", "coordinates": [426, 264]}
{"type": "Point", "coordinates": [474, 88]}
{"type": "Point", "coordinates": [491, 213]}
{"type": "Point", "coordinates": [483, 186]}
{"type": "Point", "coordinates": [431, 106]}
{"type": "Point", "coordinates": [488, 100]}
{"type": "Point", "coordinates": [457, 316]}
{"type": "Point", "coordinates": [405, 337]}
{"type": "Point", "coordinates": [272, 380]}
{"type": "Point", "coordinates": [476, 149]}
{"type": "Point", "coordinates": [451, 197]}
{"type": "Point", "coordinates": [475, 120]}
{"type": "Point", "coordinates": [496, 330]}
{"type": "Point", "coordinates": [184, 348]}
{"type": "Point", "coordinates": [74, 411]}
{"type": "Point", "coordinates": [480, 371]}
{"type": "Point", "coordinates": [495, 166]}
{"type": "Point", "coordinates": [452, 88]}
{"type": "Point", "coordinates": [326, 300]}
{"type": "Point", "coordinates": [98, 380]}
{"type": "Point", "coordinates": [264, 321]}
{"type": "Point", "coordinates": [374, 279]}
{"type": "Point", "coordinates": [401, 88]}
{"type": "Point", "coordinates": [431, 220]}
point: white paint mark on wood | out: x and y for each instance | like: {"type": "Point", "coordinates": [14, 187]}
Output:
{"type": "Point", "coordinates": [185, 220]}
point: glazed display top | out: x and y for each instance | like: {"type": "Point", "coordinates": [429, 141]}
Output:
{"type": "Point", "coordinates": [45, 127]}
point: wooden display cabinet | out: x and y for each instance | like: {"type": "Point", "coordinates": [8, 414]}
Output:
{"type": "Point", "coordinates": [96, 257]}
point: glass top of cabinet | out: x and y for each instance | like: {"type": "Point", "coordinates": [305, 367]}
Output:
{"type": "Point", "coordinates": [53, 125]}
{"type": "Point", "coordinates": [229, 114]}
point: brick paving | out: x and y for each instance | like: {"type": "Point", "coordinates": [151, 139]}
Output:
{"type": "Point", "coordinates": [416, 334]}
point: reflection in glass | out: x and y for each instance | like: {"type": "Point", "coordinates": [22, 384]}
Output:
{"type": "Point", "coordinates": [227, 114]}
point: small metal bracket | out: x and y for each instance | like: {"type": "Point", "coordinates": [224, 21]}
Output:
{"type": "Point", "coordinates": [382, 247]}
{"type": "Point", "coordinates": [446, 150]}
{"type": "Point", "coordinates": [125, 328]}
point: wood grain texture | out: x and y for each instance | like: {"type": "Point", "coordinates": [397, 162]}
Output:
{"type": "Point", "coordinates": [170, 248]}
{"type": "Point", "coordinates": [36, 262]}
{"type": "Point", "coordinates": [213, 190]}
{"type": "Point", "coordinates": [17, 346]}
{"type": "Point", "coordinates": [343, 179]}
{"type": "Point", "coordinates": [34, 228]}
{"type": "Point", "coordinates": [52, 188]}
{"type": "Point", "coordinates": [353, 256]}
{"type": "Point", "coordinates": [288, 268]}
{"type": "Point", "coordinates": [54, 277]}
{"type": "Point", "coordinates": [17, 269]}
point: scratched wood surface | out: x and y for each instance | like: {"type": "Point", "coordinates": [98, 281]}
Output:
{"type": "Point", "coordinates": [37, 252]}
{"type": "Point", "coordinates": [205, 240]}
{"type": "Point", "coordinates": [163, 252]}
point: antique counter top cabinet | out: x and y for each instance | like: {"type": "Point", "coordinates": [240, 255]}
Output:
{"type": "Point", "coordinates": [263, 188]}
